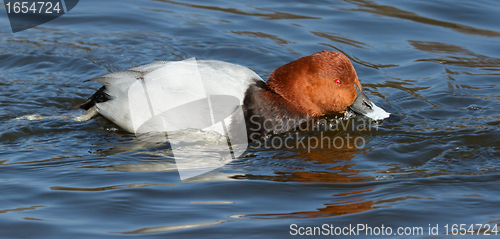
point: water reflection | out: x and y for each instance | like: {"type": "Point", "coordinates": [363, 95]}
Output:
{"type": "Point", "coordinates": [327, 166]}
{"type": "Point", "coordinates": [336, 208]}
{"type": "Point", "coordinates": [336, 167]}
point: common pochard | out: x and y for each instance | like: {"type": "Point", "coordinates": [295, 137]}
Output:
{"type": "Point", "coordinates": [313, 86]}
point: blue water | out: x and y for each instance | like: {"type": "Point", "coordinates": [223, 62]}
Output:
{"type": "Point", "coordinates": [435, 64]}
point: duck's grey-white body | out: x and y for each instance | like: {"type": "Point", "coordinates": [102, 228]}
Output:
{"type": "Point", "coordinates": [139, 93]}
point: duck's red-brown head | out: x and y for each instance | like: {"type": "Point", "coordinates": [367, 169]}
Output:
{"type": "Point", "coordinates": [320, 84]}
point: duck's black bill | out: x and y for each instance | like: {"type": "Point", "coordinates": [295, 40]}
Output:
{"type": "Point", "coordinates": [361, 105]}
{"type": "Point", "coordinates": [364, 106]}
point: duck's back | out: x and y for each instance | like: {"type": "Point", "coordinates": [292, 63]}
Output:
{"type": "Point", "coordinates": [165, 85]}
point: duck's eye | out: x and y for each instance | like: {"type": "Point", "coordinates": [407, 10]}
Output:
{"type": "Point", "coordinates": [338, 81]}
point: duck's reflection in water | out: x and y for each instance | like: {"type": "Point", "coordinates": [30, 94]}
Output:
{"type": "Point", "coordinates": [333, 169]}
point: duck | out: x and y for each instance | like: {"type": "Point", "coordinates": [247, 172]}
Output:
{"type": "Point", "coordinates": [228, 98]}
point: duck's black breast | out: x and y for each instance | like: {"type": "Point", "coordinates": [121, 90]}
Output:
{"type": "Point", "coordinates": [268, 113]}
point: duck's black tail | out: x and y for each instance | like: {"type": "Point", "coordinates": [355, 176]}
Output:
{"type": "Point", "coordinates": [98, 97]}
